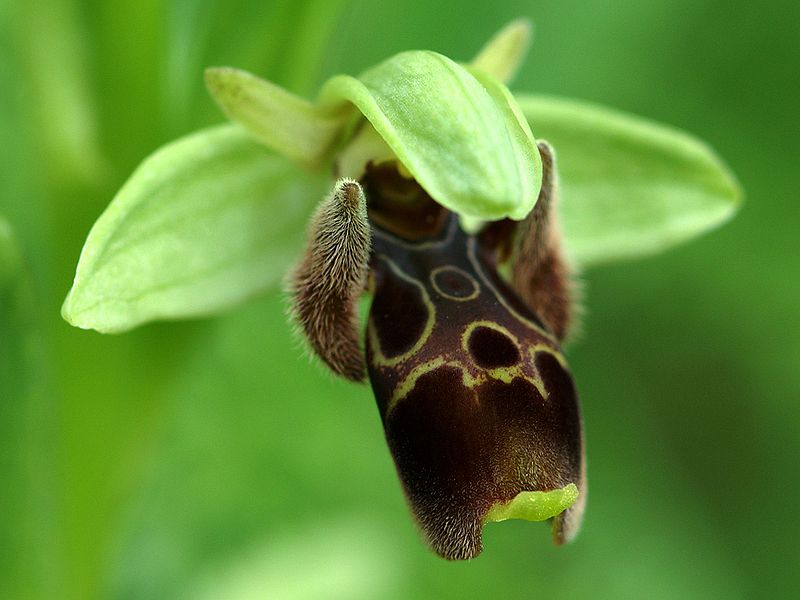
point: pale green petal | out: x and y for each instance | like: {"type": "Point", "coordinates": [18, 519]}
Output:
{"type": "Point", "coordinates": [451, 134]}
{"type": "Point", "coordinates": [286, 123]}
{"type": "Point", "coordinates": [502, 55]}
{"type": "Point", "coordinates": [204, 223]}
{"type": "Point", "coordinates": [535, 506]}
{"type": "Point", "coordinates": [630, 187]}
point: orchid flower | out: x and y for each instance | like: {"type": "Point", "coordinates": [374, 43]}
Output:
{"type": "Point", "coordinates": [462, 227]}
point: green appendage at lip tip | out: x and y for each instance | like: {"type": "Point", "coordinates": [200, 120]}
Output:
{"type": "Point", "coordinates": [534, 506]}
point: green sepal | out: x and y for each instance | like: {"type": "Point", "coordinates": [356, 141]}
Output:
{"type": "Point", "coordinates": [534, 506]}
{"type": "Point", "coordinates": [461, 141]}
{"type": "Point", "coordinates": [629, 187]}
{"type": "Point", "coordinates": [204, 223]}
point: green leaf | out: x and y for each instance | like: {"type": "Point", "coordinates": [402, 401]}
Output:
{"type": "Point", "coordinates": [630, 187]}
{"type": "Point", "coordinates": [500, 58]}
{"type": "Point", "coordinates": [204, 223]}
{"type": "Point", "coordinates": [278, 119]}
{"type": "Point", "coordinates": [458, 140]}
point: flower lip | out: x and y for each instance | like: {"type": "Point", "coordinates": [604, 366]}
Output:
{"type": "Point", "coordinates": [473, 440]}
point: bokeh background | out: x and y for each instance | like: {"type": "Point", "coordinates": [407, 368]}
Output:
{"type": "Point", "coordinates": [211, 459]}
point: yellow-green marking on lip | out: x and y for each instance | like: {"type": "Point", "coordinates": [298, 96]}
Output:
{"type": "Point", "coordinates": [534, 506]}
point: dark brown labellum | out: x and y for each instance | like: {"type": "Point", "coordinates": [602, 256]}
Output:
{"type": "Point", "coordinates": [475, 395]}
{"type": "Point", "coordinates": [476, 399]}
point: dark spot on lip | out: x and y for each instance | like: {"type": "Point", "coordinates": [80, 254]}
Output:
{"type": "Point", "coordinates": [399, 316]}
{"type": "Point", "coordinates": [491, 349]}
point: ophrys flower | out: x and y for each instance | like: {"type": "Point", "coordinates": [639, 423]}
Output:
{"type": "Point", "coordinates": [438, 218]}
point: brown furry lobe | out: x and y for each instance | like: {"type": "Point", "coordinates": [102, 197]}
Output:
{"type": "Point", "coordinates": [326, 284]}
{"type": "Point", "coordinates": [540, 274]}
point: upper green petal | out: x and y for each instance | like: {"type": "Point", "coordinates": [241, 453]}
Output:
{"type": "Point", "coordinates": [501, 56]}
{"type": "Point", "coordinates": [459, 136]}
{"type": "Point", "coordinates": [630, 187]}
{"type": "Point", "coordinates": [205, 222]}
{"type": "Point", "coordinates": [286, 123]}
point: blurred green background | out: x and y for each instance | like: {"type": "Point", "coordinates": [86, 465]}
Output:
{"type": "Point", "coordinates": [210, 459]}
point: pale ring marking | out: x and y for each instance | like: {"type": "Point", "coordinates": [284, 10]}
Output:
{"type": "Point", "coordinates": [462, 273]}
